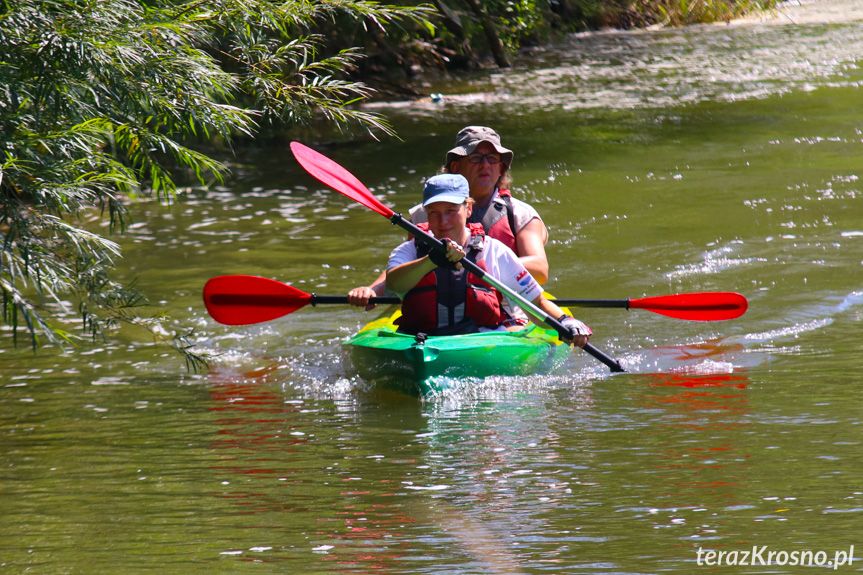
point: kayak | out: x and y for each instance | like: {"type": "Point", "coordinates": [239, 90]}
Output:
{"type": "Point", "coordinates": [431, 364]}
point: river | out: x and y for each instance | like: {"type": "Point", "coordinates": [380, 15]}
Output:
{"type": "Point", "coordinates": [713, 158]}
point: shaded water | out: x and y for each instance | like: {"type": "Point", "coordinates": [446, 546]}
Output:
{"type": "Point", "coordinates": [715, 158]}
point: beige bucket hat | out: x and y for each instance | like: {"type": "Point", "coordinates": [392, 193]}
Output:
{"type": "Point", "coordinates": [472, 136]}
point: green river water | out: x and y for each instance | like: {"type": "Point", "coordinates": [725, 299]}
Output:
{"type": "Point", "coordinates": [719, 158]}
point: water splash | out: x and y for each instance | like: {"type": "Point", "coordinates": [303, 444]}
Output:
{"type": "Point", "coordinates": [808, 319]}
{"type": "Point", "coordinates": [713, 262]}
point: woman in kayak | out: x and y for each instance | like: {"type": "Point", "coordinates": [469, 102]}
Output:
{"type": "Point", "coordinates": [480, 157]}
{"type": "Point", "coordinates": [439, 297]}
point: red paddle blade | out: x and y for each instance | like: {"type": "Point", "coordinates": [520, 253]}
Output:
{"type": "Point", "coordinates": [244, 300]}
{"type": "Point", "coordinates": [711, 306]}
{"type": "Point", "coordinates": [330, 173]}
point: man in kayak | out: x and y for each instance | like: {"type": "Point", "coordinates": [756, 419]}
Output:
{"type": "Point", "coordinates": [481, 158]}
{"type": "Point", "coordinates": [439, 297]}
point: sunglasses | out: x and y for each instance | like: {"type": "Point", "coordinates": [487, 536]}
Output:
{"type": "Point", "coordinates": [492, 159]}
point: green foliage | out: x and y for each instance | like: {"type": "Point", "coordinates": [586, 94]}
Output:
{"type": "Point", "coordinates": [101, 101]}
{"type": "Point", "coordinates": [518, 19]}
{"type": "Point", "coordinates": [683, 12]}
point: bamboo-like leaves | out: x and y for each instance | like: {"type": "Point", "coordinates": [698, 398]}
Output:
{"type": "Point", "coordinates": [101, 101]}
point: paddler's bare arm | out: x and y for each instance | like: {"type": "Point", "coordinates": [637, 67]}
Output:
{"type": "Point", "coordinates": [402, 278]}
{"type": "Point", "coordinates": [359, 296]}
{"type": "Point", "coordinates": [530, 246]}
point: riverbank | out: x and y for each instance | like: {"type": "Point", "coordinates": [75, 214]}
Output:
{"type": "Point", "coordinates": [625, 70]}
{"type": "Point", "coordinates": [806, 12]}
{"type": "Point", "coordinates": [497, 35]}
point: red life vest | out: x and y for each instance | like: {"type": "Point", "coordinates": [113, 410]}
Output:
{"type": "Point", "coordinates": [499, 220]}
{"type": "Point", "coordinates": [446, 302]}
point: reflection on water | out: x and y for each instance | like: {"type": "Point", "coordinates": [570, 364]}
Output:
{"type": "Point", "coordinates": [698, 458]}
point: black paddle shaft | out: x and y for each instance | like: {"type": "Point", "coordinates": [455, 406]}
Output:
{"type": "Point", "coordinates": [325, 299]}
{"type": "Point", "coordinates": [440, 246]}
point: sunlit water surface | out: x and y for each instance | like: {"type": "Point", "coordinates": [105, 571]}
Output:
{"type": "Point", "coordinates": [719, 158]}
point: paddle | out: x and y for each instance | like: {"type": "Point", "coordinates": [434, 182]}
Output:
{"type": "Point", "coordinates": [242, 300]}
{"type": "Point", "coordinates": [338, 178]}
{"type": "Point", "coordinates": [702, 306]}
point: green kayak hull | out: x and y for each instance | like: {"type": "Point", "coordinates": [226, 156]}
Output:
{"type": "Point", "coordinates": [380, 353]}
